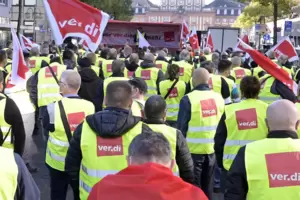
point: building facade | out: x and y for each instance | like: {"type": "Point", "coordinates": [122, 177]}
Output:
{"type": "Point", "coordinates": [221, 13]}
{"type": "Point", "coordinates": [5, 6]}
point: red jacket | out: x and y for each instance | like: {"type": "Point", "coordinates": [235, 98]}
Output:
{"type": "Point", "coordinates": [148, 182]}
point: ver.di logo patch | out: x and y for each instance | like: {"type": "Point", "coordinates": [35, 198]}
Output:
{"type": "Point", "coordinates": [246, 119]}
{"type": "Point", "coordinates": [208, 107]}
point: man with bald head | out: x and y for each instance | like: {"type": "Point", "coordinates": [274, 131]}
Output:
{"type": "Point", "coordinates": [106, 65]}
{"type": "Point", "coordinates": [61, 119]}
{"type": "Point", "coordinates": [199, 114]}
{"type": "Point", "coordinates": [269, 168]}
{"type": "Point", "coordinates": [151, 74]}
{"type": "Point", "coordinates": [155, 117]}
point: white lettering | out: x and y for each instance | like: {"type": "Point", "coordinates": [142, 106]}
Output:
{"type": "Point", "coordinates": [273, 176]}
{"type": "Point", "coordinates": [285, 177]}
{"type": "Point", "coordinates": [72, 22]}
{"type": "Point", "coordinates": [63, 24]}
{"type": "Point", "coordinates": [90, 28]}
{"type": "Point", "coordinates": [209, 112]}
{"type": "Point", "coordinates": [115, 148]}
{"type": "Point", "coordinates": [248, 124]}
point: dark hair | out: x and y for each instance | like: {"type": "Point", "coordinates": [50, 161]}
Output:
{"type": "Point", "coordinates": [141, 54]}
{"type": "Point", "coordinates": [3, 55]}
{"type": "Point", "coordinates": [155, 107]}
{"type": "Point", "coordinates": [140, 84]}
{"type": "Point", "coordinates": [202, 58]}
{"type": "Point", "coordinates": [104, 53]}
{"type": "Point", "coordinates": [150, 146]}
{"type": "Point", "coordinates": [55, 59]}
{"type": "Point", "coordinates": [68, 55]}
{"type": "Point", "coordinates": [173, 71]}
{"type": "Point", "coordinates": [84, 63]}
{"type": "Point", "coordinates": [253, 64]}
{"type": "Point", "coordinates": [9, 53]}
{"type": "Point", "coordinates": [118, 94]}
{"type": "Point", "coordinates": [1, 77]}
{"type": "Point", "coordinates": [208, 65]}
{"type": "Point", "coordinates": [250, 87]}
{"type": "Point", "coordinates": [224, 65]}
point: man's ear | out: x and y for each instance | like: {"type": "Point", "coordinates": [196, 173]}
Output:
{"type": "Point", "coordinates": [266, 121]}
{"type": "Point", "coordinates": [297, 125]}
{"type": "Point", "coordinates": [172, 164]}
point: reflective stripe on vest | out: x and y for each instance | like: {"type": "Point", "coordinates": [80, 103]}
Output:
{"type": "Point", "coordinates": [245, 123]}
{"type": "Point", "coordinates": [76, 110]}
{"type": "Point", "coordinates": [9, 174]}
{"type": "Point", "coordinates": [97, 173]}
{"type": "Point", "coordinates": [207, 108]}
{"type": "Point", "coordinates": [99, 155]}
{"type": "Point", "coordinates": [173, 100]}
{"type": "Point", "coordinates": [272, 169]}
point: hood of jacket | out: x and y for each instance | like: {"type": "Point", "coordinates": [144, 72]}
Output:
{"type": "Point", "coordinates": [147, 64]}
{"type": "Point", "coordinates": [69, 63]}
{"type": "Point", "coordinates": [88, 75]}
{"type": "Point", "coordinates": [162, 59]}
{"type": "Point", "coordinates": [112, 122]}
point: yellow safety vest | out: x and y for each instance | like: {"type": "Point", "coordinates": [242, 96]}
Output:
{"type": "Point", "coordinates": [109, 80]}
{"type": "Point", "coordinates": [186, 71]}
{"type": "Point", "coordinates": [171, 134]}
{"type": "Point", "coordinates": [173, 100]}
{"type": "Point", "coordinates": [96, 69]}
{"type": "Point", "coordinates": [128, 74]}
{"type": "Point", "coordinates": [245, 123]}
{"type": "Point", "coordinates": [239, 73]}
{"type": "Point", "coordinates": [99, 60]}
{"type": "Point", "coordinates": [265, 91]}
{"type": "Point", "coordinates": [9, 174]}
{"type": "Point", "coordinates": [76, 110]}
{"type": "Point", "coordinates": [102, 156]}
{"type": "Point", "coordinates": [256, 71]}
{"type": "Point", "coordinates": [45, 58]}
{"type": "Point", "coordinates": [207, 107]}
{"type": "Point", "coordinates": [162, 65]}
{"type": "Point", "coordinates": [272, 168]}
{"type": "Point", "coordinates": [35, 64]}
{"type": "Point", "coordinates": [5, 127]}
{"type": "Point", "coordinates": [107, 68]}
{"type": "Point", "coordinates": [48, 89]}
{"type": "Point", "coordinates": [150, 76]}
{"type": "Point", "coordinates": [208, 57]}
{"type": "Point", "coordinates": [8, 68]}
{"type": "Point", "coordinates": [137, 109]}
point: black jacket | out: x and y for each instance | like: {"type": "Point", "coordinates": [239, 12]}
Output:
{"type": "Point", "coordinates": [109, 123]}
{"type": "Point", "coordinates": [89, 84]}
{"type": "Point", "coordinates": [183, 155]}
{"type": "Point", "coordinates": [220, 139]}
{"type": "Point", "coordinates": [236, 183]}
{"type": "Point", "coordinates": [131, 66]}
{"type": "Point", "coordinates": [13, 117]}
{"type": "Point", "coordinates": [99, 97]}
{"type": "Point", "coordinates": [162, 59]}
{"type": "Point", "coordinates": [160, 77]}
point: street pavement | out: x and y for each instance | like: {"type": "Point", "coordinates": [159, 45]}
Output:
{"type": "Point", "coordinates": [35, 150]}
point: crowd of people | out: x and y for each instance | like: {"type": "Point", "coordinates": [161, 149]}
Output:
{"type": "Point", "coordinates": [152, 124]}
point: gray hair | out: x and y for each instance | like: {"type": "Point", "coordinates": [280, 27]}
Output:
{"type": "Point", "coordinates": [118, 66]}
{"type": "Point", "coordinates": [112, 53]}
{"type": "Point", "coordinates": [206, 50]}
{"type": "Point", "coordinates": [162, 54]}
{"type": "Point", "coordinates": [134, 58]}
{"type": "Point", "coordinates": [34, 51]}
{"type": "Point", "coordinates": [72, 79]}
{"type": "Point", "coordinates": [236, 61]}
{"type": "Point", "coordinates": [150, 147]}
{"type": "Point", "coordinates": [184, 55]}
{"type": "Point", "coordinates": [149, 57]}
{"type": "Point", "coordinates": [215, 57]}
{"type": "Point", "coordinates": [283, 58]}
{"type": "Point", "coordinates": [127, 51]}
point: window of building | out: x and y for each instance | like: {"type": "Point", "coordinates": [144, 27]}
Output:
{"type": "Point", "coordinates": [218, 11]}
{"type": "Point", "coordinates": [3, 2]}
{"type": "Point", "coordinates": [166, 19]}
{"type": "Point", "coordinates": [225, 11]}
{"type": "Point", "coordinates": [240, 11]}
{"type": "Point", "coordinates": [232, 11]}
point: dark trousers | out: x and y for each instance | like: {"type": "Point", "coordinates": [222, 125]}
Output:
{"type": "Point", "coordinates": [204, 169]}
{"type": "Point", "coordinates": [59, 182]}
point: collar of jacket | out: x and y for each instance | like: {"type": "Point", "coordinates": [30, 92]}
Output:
{"type": "Point", "coordinates": [202, 87]}
{"type": "Point", "coordinates": [117, 109]}
{"type": "Point", "coordinates": [283, 134]}
{"type": "Point", "coordinates": [118, 75]}
{"type": "Point", "coordinates": [147, 64]}
{"type": "Point", "coordinates": [154, 121]}
{"type": "Point", "coordinates": [161, 58]}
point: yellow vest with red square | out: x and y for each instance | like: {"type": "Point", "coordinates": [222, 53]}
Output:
{"type": "Point", "coordinates": [9, 174]}
{"type": "Point", "coordinates": [102, 156]}
{"type": "Point", "coordinates": [245, 123]}
{"type": "Point", "coordinates": [171, 134]}
{"type": "Point", "coordinates": [35, 64]}
{"type": "Point", "coordinates": [109, 80]}
{"type": "Point", "coordinates": [96, 69]}
{"type": "Point", "coordinates": [128, 74]}
{"type": "Point", "coordinates": [48, 89]}
{"type": "Point", "coordinates": [265, 92]}
{"type": "Point", "coordinates": [150, 76]}
{"type": "Point", "coordinates": [185, 71]}
{"type": "Point", "coordinates": [162, 65]}
{"type": "Point", "coordinates": [58, 144]}
{"type": "Point", "coordinates": [107, 68]}
{"type": "Point", "coordinates": [174, 97]}
{"type": "Point", "coordinates": [272, 168]}
{"type": "Point", "coordinates": [238, 74]}
{"type": "Point", "coordinates": [5, 127]}
{"type": "Point", "coordinates": [207, 107]}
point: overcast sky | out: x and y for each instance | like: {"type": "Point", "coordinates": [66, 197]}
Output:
{"type": "Point", "coordinates": [158, 1]}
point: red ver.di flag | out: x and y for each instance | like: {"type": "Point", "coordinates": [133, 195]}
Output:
{"type": "Point", "coordinates": [72, 18]}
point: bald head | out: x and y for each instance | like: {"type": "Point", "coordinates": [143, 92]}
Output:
{"type": "Point", "coordinates": [200, 76]}
{"type": "Point", "coordinates": [70, 82]}
{"type": "Point", "coordinates": [149, 57]}
{"type": "Point", "coordinates": [112, 54]}
{"type": "Point", "coordinates": [134, 58]}
{"type": "Point", "coordinates": [127, 51]}
{"type": "Point", "coordinates": [92, 57]}
{"type": "Point", "coordinates": [276, 120]}
{"type": "Point", "coordinates": [34, 51]}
